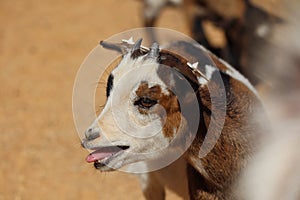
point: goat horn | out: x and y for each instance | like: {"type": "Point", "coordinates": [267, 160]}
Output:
{"type": "Point", "coordinates": [137, 45]}
{"type": "Point", "coordinates": [154, 50]}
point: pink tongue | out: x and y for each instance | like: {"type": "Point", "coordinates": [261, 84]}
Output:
{"type": "Point", "coordinates": [97, 156]}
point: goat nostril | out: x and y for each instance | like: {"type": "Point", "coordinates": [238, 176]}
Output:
{"type": "Point", "coordinates": [92, 133]}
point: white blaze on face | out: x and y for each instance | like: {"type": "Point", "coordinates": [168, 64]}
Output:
{"type": "Point", "coordinates": [142, 113]}
{"type": "Point", "coordinates": [121, 120]}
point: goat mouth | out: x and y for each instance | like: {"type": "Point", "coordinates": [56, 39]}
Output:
{"type": "Point", "coordinates": [102, 156]}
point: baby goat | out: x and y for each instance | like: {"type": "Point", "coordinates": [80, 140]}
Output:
{"type": "Point", "coordinates": [148, 105]}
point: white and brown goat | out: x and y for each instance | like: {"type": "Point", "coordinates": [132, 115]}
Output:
{"type": "Point", "coordinates": [149, 99]}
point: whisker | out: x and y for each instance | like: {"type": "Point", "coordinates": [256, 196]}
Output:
{"type": "Point", "coordinates": [101, 82]}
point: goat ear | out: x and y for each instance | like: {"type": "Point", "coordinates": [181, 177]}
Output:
{"type": "Point", "coordinates": [124, 47]}
{"type": "Point", "coordinates": [170, 77]}
{"type": "Point", "coordinates": [176, 82]}
{"type": "Point", "coordinates": [114, 46]}
{"type": "Point", "coordinates": [154, 51]}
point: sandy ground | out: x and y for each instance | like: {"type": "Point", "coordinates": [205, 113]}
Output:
{"type": "Point", "coordinates": [42, 44]}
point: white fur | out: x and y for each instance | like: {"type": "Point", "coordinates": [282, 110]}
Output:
{"type": "Point", "coordinates": [201, 80]}
{"type": "Point", "coordinates": [232, 72]}
{"type": "Point", "coordinates": [238, 76]}
{"type": "Point", "coordinates": [208, 74]}
{"type": "Point", "coordinates": [263, 30]}
{"type": "Point", "coordinates": [209, 71]}
{"type": "Point", "coordinates": [129, 41]}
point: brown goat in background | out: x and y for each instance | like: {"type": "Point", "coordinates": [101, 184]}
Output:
{"type": "Point", "coordinates": [245, 27]}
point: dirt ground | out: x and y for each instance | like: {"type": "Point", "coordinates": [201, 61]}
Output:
{"type": "Point", "coordinates": [42, 44]}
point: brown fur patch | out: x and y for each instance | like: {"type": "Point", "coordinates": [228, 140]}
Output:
{"type": "Point", "coordinates": [177, 62]}
{"type": "Point", "coordinates": [218, 63]}
{"type": "Point", "coordinates": [137, 53]}
{"type": "Point", "coordinates": [238, 139]}
{"type": "Point", "coordinates": [169, 104]}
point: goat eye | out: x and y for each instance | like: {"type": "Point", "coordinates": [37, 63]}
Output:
{"type": "Point", "coordinates": [145, 102]}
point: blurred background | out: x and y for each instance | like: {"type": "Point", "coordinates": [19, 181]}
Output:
{"type": "Point", "coordinates": [42, 45]}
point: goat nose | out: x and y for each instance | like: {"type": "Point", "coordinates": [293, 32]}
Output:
{"type": "Point", "coordinates": [92, 133]}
